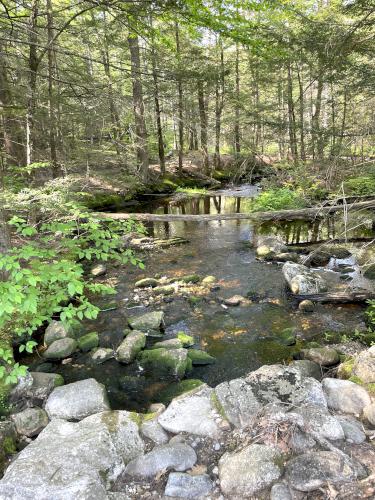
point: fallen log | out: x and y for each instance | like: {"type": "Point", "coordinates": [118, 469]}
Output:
{"type": "Point", "coordinates": [338, 297]}
{"type": "Point", "coordinates": [304, 213]}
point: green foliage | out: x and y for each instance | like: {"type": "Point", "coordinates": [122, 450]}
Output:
{"type": "Point", "coordinates": [360, 186]}
{"type": "Point", "coordinates": [370, 313]}
{"type": "Point", "coordinates": [278, 199]}
{"type": "Point", "coordinates": [46, 278]}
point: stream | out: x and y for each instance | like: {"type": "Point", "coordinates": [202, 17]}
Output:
{"type": "Point", "coordinates": [240, 338]}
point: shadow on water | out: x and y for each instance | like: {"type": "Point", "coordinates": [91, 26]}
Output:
{"type": "Point", "coordinates": [241, 338]}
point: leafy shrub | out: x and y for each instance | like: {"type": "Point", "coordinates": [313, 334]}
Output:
{"type": "Point", "coordinates": [278, 199]}
{"type": "Point", "coordinates": [45, 275]}
{"type": "Point", "coordinates": [360, 186]}
{"type": "Point", "coordinates": [370, 313]}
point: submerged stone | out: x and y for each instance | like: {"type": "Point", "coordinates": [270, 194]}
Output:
{"type": "Point", "coordinates": [102, 354]}
{"type": "Point", "coordinates": [306, 306]}
{"type": "Point", "coordinates": [88, 341]}
{"type": "Point", "coordinates": [168, 344]}
{"type": "Point", "coordinates": [165, 363]}
{"type": "Point", "coordinates": [370, 272]}
{"type": "Point", "coordinates": [200, 357]}
{"type": "Point", "coordinates": [177, 388]}
{"type": "Point", "coordinates": [191, 278]}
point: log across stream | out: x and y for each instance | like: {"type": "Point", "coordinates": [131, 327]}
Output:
{"type": "Point", "coordinates": [302, 214]}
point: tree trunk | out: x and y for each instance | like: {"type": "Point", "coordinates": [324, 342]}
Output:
{"type": "Point", "coordinates": [301, 116]}
{"type": "Point", "coordinates": [115, 119]}
{"type": "Point", "coordinates": [139, 110]}
{"type": "Point", "coordinates": [51, 96]}
{"type": "Point", "coordinates": [219, 105]}
{"type": "Point", "coordinates": [180, 102]}
{"type": "Point", "coordinates": [31, 84]}
{"type": "Point", "coordinates": [203, 124]}
{"type": "Point", "coordinates": [158, 112]}
{"type": "Point", "coordinates": [317, 142]}
{"type": "Point", "coordinates": [291, 117]}
{"type": "Point", "coordinates": [237, 145]}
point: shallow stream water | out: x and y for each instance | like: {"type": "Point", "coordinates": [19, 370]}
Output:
{"type": "Point", "coordinates": [241, 338]}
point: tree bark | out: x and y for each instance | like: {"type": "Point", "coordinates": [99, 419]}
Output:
{"type": "Point", "coordinates": [237, 144]}
{"type": "Point", "coordinates": [203, 124]}
{"type": "Point", "coordinates": [219, 105]}
{"type": "Point", "coordinates": [301, 116]}
{"type": "Point", "coordinates": [291, 117]}
{"type": "Point", "coordinates": [139, 110]}
{"type": "Point", "coordinates": [180, 102]}
{"type": "Point", "coordinates": [317, 142]}
{"type": "Point", "coordinates": [32, 78]}
{"type": "Point", "coordinates": [158, 112]}
{"type": "Point", "coordinates": [51, 94]}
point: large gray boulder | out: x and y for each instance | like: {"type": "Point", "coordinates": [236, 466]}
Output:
{"type": "Point", "coordinates": [302, 280]}
{"type": "Point", "coordinates": [194, 413]}
{"type": "Point", "coordinates": [345, 396]}
{"type": "Point", "coordinates": [130, 346]}
{"type": "Point", "coordinates": [244, 473]}
{"type": "Point", "coordinates": [77, 400]}
{"type": "Point", "coordinates": [320, 422]}
{"type": "Point", "coordinates": [175, 456]}
{"type": "Point", "coordinates": [183, 485]}
{"type": "Point", "coordinates": [242, 398]}
{"type": "Point", "coordinates": [42, 385]}
{"type": "Point", "coordinates": [151, 429]}
{"type": "Point", "coordinates": [57, 330]}
{"type": "Point", "coordinates": [73, 461]}
{"type": "Point", "coordinates": [313, 470]}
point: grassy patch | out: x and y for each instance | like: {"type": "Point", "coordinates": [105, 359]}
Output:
{"type": "Point", "coordinates": [278, 199]}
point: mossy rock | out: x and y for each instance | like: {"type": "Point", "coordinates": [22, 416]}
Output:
{"type": "Point", "coordinates": [88, 341]}
{"type": "Point", "coordinates": [168, 344]}
{"type": "Point", "coordinates": [98, 201]}
{"type": "Point", "coordinates": [200, 357]}
{"type": "Point", "coordinates": [164, 290]}
{"type": "Point", "coordinates": [187, 340]}
{"type": "Point", "coordinates": [165, 363]}
{"type": "Point", "coordinates": [339, 252]}
{"type": "Point", "coordinates": [287, 337]}
{"type": "Point", "coordinates": [176, 389]}
{"type": "Point", "coordinates": [191, 278]}
{"type": "Point", "coordinates": [146, 283]}
{"type": "Point", "coordinates": [194, 300]}
{"type": "Point", "coordinates": [345, 369]}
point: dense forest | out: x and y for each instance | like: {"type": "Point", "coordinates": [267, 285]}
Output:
{"type": "Point", "coordinates": [131, 83]}
{"type": "Point", "coordinates": [187, 257]}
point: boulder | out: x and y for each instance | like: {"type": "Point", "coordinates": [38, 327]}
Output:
{"type": "Point", "coordinates": [43, 384]}
{"type": "Point", "coordinates": [242, 398]}
{"type": "Point", "coordinates": [30, 422]}
{"type": "Point", "coordinates": [200, 357]}
{"type": "Point", "coordinates": [209, 280]}
{"type": "Point", "coordinates": [364, 366]}
{"type": "Point", "coordinates": [146, 283]}
{"type": "Point", "coordinates": [311, 471]}
{"type": "Point", "coordinates": [60, 349]}
{"type": "Point", "coordinates": [88, 342]}
{"type": "Point", "coordinates": [151, 429]}
{"type": "Point", "coordinates": [98, 270]}
{"type": "Point", "coordinates": [234, 301]}
{"type": "Point", "coordinates": [280, 491]}
{"type": "Point", "coordinates": [102, 354]}
{"type": "Point", "coordinates": [353, 429]}
{"type": "Point", "coordinates": [324, 356]}
{"type": "Point", "coordinates": [320, 422]}
{"type": "Point", "coordinates": [307, 368]}
{"type": "Point", "coordinates": [369, 413]}
{"type": "Point", "coordinates": [166, 363]}
{"type": "Point", "coordinates": [73, 460]}
{"type": "Point", "coordinates": [194, 413]}
{"type": "Point", "coordinates": [306, 306]}
{"type": "Point", "coordinates": [175, 456]}
{"type": "Point", "coordinates": [190, 278]}
{"type": "Point", "coordinates": [286, 257]}
{"type": "Point", "coordinates": [133, 343]}
{"type": "Point", "coordinates": [183, 485]}
{"type": "Point", "coordinates": [56, 330]}
{"type": "Point", "coordinates": [77, 400]}
{"type": "Point", "coordinates": [302, 280]}
{"type": "Point", "coordinates": [168, 344]}
{"type": "Point", "coordinates": [147, 322]}
{"type": "Point", "coordinates": [345, 396]}
{"type": "Point", "coordinates": [244, 473]}
{"type": "Point", "coordinates": [165, 290]}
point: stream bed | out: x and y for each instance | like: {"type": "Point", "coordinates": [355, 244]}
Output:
{"type": "Point", "coordinates": [240, 338]}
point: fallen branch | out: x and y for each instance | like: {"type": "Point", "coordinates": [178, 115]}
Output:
{"type": "Point", "coordinates": [338, 297]}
